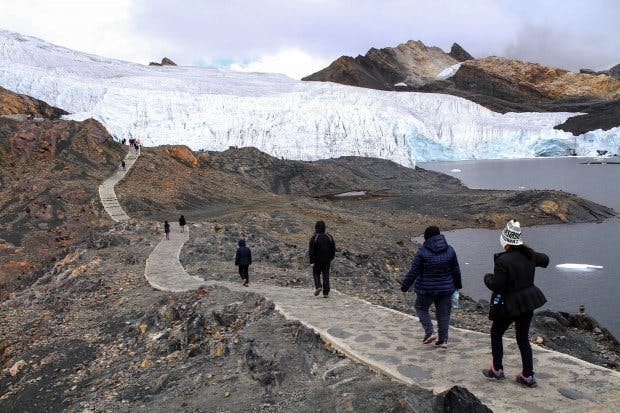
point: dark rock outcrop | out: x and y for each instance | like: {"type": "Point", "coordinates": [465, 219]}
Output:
{"type": "Point", "coordinates": [613, 72]}
{"type": "Point", "coordinates": [164, 62]}
{"type": "Point", "coordinates": [460, 54]}
{"type": "Point", "coordinates": [459, 399]}
{"type": "Point", "coordinates": [605, 115]}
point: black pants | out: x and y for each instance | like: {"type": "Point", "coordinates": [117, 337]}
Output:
{"type": "Point", "coordinates": [317, 270]}
{"type": "Point", "coordinates": [522, 328]}
{"type": "Point", "coordinates": [243, 271]}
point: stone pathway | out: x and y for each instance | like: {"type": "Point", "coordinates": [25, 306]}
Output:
{"type": "Point", "coordinates": [164, 270]}
{"type": "Point", "coordinates": [107, 193]}
{"type": "Point", "coordinates": [389, 341]}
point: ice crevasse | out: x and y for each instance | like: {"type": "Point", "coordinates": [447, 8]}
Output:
{"type": "Point", "coordinates": [213, 109]}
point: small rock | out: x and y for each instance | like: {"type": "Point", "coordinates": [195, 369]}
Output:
{"type": "Point", "coordinates": [14, 370]}
{"type": "Point", "coordinates": [539, 340]}
{"type": "Point", "coordinates": [226, 394]}
{"type": "Point", "coordinates": [597, 330]}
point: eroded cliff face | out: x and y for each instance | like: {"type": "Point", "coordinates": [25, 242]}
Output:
{"type": "Point", "coordinates": [412, 63]}
{"type": "Point", "coordinates": [15, 104]}
{"type": "Point", "coordinates": [49, 174]}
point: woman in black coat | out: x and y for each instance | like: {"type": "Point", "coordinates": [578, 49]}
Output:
{"type": "Point", "coordinates": [513, 281]}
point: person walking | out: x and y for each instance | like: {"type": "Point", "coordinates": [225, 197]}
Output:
{"type": "Point", "coordinates": [123, 164]}
{"type": "Point", "coordinates": [167, 229]}
{"type": "Point", "coordinates": [436, 274]}
{"type": "Point", "coordinates": [512, 284]}
{"type": "Point", "coordinates": [243, 259]}
{"type": "Point", "coordinates": [321, 250]}
{"type": "Point", "coordinates": [182, 223]}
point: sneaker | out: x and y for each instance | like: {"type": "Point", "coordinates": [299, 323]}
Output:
{"type": "Point", "coordinates": [526, 381]}
{"type": "Point", "coordinates": [325, 295]}
{"type": "Point", "coordinates": [441, 344]}
{"type": "Point", "coordinates": [317, 291]}
{"type": "Point", "coordinates": [429, 338]}
{"type": "Point", "coordinates": [491, 373]}
{"type": "Point", "coordinates": [245, 283]}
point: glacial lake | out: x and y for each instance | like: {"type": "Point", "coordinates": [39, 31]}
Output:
{"type": "Point", "coordinates": [595, 244]}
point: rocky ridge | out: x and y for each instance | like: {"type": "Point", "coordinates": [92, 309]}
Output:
{"type": "Point", "coordinates": [412, 63]}
{"type": "Point", "coordinates": [12, 104]}
{"type": "Point", "coordinates": [497, 83]}
{"type": "Point", "coordinates": [49, 173]}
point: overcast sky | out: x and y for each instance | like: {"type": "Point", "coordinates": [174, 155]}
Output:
{"type": "Point", "coordinates": [299, 37]}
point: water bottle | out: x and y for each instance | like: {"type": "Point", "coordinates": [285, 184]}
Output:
{"type": "Point", "coordinates": [455, 299]}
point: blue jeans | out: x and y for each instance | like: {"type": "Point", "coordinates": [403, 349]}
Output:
{"type": "Point", "coordinates": [443, 308]}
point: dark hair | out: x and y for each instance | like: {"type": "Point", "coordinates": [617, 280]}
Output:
{"type": "Point", "coordinates": [431, 232]}
{"type": "Point", "coordinates": [319, 227]}
{"type": "Point", "coordinates": [523, 249]}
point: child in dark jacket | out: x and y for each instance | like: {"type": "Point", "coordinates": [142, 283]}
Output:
{"type": "Point", "coordinates": [243, 259]}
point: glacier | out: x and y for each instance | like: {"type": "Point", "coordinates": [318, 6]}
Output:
{"type": "Point", "coordinates": [214, 109]}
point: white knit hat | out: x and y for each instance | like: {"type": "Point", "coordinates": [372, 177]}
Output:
{"type": "Point", "coordinates": [511, 235]}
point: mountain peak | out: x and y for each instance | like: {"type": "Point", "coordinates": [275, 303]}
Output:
{"type": "Point", "coordinates": [460, 54]}
{"type": "Point", "coordinates": [412, 63]}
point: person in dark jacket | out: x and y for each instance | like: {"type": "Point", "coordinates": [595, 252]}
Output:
{"type": "Point", "coordinates": [167, 229]}
{"type": "Point", "coordinates": [436, 273]}
{"type": "Point", "coordinates": [182, 222]}
{"type": "Point", "coordinates": [513, 280]}
{"type": "Point", "coordinates": [243, 259]}
{"type": "Point", "coordinates": [322, 250]}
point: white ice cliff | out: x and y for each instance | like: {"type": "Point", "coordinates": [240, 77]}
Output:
{"type": "Point", "coordinates": [206, 108]}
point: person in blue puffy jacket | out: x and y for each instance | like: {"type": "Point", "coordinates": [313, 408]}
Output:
{"type": "Point", "coordinates": [436, 274]}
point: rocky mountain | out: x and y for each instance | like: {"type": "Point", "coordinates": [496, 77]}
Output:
{"type": "Point", "coordinates": [412, 63]}
{"type": "Point", "coordinates": [507, 84]}
{"type": "Point", "coordinates": [499, 84]}
{"type": "Point", "coordinates": [49, 175]}
{"type": "Point", "coordinates": [15, 104]}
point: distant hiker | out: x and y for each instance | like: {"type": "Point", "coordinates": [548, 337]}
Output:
{"type": "Point", "coordinates": [243, 259]}
{"type": "Point", "coordinates": [124, 141]}
{"type": "Point", "coordinates": [136, 147]}
{"type": "Point", "coordinates": [123, 164]}
{"type": "Point", "coordinates": [322, 250]}
{"type": "Point", "coordinates": [167, 229]}
{"type": "Point", "coordinates": [516, 297]}
{"type": "Point", "coordinates": [182, 222]}
{"type": "Point", "coordinates": [436, 274]}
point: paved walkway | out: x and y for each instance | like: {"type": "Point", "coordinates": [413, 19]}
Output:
{"type": "Point", "coordinates": [164, 270]}
{"type": "Point", "coordinates": [390, 342]}
{"type": "Point", "coordinates": [107, 193]}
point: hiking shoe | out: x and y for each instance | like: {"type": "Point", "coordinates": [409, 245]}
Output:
{"type": "Point", "coordinates": [245, 283]}
{"type": "Point", "coordinates": [441, 344]}
{"type": "Point", "coordinates": [526, 381]}
{"type": "Point", "coordinates": [317, 291]}
{"type": "Point", "coordinates": [325, 295]}
{"type": "Point", "coordinates": [429, 338]}
{"type": "Point", "coordinates": [491, 373]}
